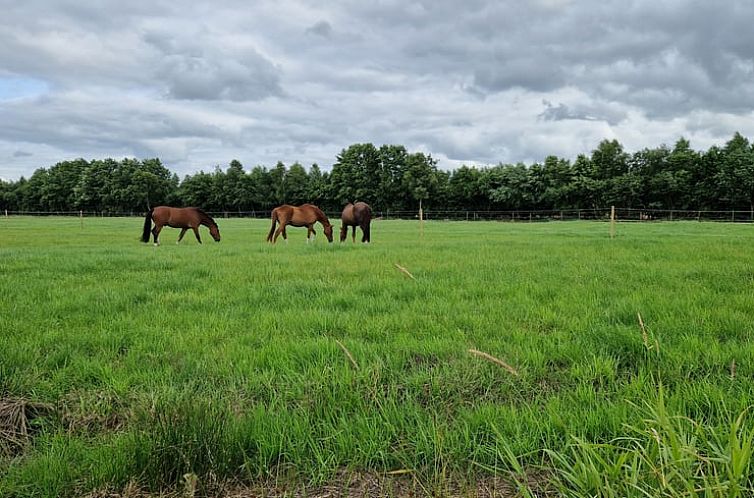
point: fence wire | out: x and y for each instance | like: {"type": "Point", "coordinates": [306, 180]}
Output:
{"type": "Point", "coordinates": [598, 214]}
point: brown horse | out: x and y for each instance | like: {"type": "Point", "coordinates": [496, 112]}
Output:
{"type": "Point", "coordinates": [305, 215]}
{"type": "Point", "coordinates": [183, 218]}
{"type": "Point", "coordinates": [359, 214]}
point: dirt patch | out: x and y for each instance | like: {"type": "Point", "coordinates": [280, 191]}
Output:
{"type": "Point", "coordinates": [348, 484]}
{"type": "Point", "coordinates": [17, 417]}
{"type": "Point", "coordinates": [93, 412]}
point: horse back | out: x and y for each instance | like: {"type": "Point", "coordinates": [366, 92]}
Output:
{"type": "Point", "coordinates": [161, 214]}
{"type": "Point", "coordinates": [347, 216]}
{"type": "Point", "coordinates": [362, 213]}
{"type": "Point", "coordinates": [176, 217]}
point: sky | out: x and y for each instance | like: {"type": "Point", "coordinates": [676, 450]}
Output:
{"type": "Point", "coordinates": [199, 84]}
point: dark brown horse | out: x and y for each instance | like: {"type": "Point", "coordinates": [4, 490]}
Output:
{"type": "Point", "coordinates": [305, 215]}
{"type": "Point", "coordinates": [359, 214]}
{"type": "Point", "coordinates": [183, 218]}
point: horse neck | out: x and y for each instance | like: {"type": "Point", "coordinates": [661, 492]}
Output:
{"type": "Point", "coordinates": [321, 217]}
{"type": "Point", "coordinates": [205, 220]}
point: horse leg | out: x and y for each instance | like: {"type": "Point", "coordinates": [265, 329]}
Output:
{"type": "Point", "coordinates": [280, 230]}
{"type": "Point", "coordinates": [310, 231]}
{"type": "Point", "coordinates": [156, 234]}
{"type": "Point", "coordinates": [196, 232]}
{"type": "Point", "coordinates": [353, 235]}
{"type": "Point", "coordinates": [180, 237]}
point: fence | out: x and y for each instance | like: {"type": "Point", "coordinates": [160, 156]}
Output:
{"type": "Point", "coordinates": [600, 214]}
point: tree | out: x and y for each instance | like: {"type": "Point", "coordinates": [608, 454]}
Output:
{"type": "Point", "coordinates": [355, 174]}
{"type": "Point", "coordinates": [465, 189]}
{"type": "Point", "coordinates": [8, 199]}
{"type": "Point", "coordinates": [551, 184]}
{"type": "Point", "coordinates": [94, 191]}
{"type": "Point", "coordinates": [317, 186]}
{"type": "Point", "coordinates": [195, 190]}
{"type": "Point", "coordinates": [277, 184]}
{"type": "Point", "coordinates": [262, 194]}
{"type": "Point", "coordinates": [236, 193]}
{"type": "Point", "coordinates": [58, 192]}
{"type": "Point", "coordinates": [392, 159]}
{"type": "Point", "coordinates": [420, 179]}
{"type": "Point", "coordinates": [297, 185]}
{"type": "Point", "coordinates": [736, 175]}
{"type": "Point", "coordinates": [509, 187]}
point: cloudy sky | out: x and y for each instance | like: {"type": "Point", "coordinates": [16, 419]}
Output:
{"type": "Point", "coordinates": [198, 84]}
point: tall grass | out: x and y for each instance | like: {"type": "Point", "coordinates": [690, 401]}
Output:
{"type": "Point", "coordinates": [246, 361]}
{"type": "Point", "coordinates": [663, 455]}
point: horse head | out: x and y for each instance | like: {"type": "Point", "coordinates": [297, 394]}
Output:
{"type": "Point", "coordinates": [328, 233]}
{"type": "Point", "coordinates": [214, 231]}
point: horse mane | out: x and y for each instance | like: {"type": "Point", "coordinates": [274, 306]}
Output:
{"type": "Point", "coordinates": [321, 216]}
{"type": "Point", "coordinates": [205, 217]}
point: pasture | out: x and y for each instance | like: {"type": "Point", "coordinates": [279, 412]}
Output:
{"type": "Point", "coordinates": [199, 365]}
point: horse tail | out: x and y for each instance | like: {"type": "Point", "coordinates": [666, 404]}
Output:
{"type": "Point", "coordinates": [147, 226]}
{"type": "Point", "coordinates": [272, 228]}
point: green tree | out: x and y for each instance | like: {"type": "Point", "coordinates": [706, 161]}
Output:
{"type": "Point", "coordinates": [736, 174]}
{"type": "Point", "coordinates": [195, 190]}
{"type": "Point", "coordinates": [392, 159]}
{"type": "Point", "coordinates": [297, 185]}
{"type": "Point", "coordinates": [262, 190]}
{"type": "Point", "coordinates": [420, 179]}
{"type": "Point", "coordinates": [317, 187]}
{"type": "Point", "coordinates": [465, 189]}
{"type": "Point", "coordinates": [509, 187]}
{"type": "Point", "coordinates": [277, 184]}
{"type": "Point", "coordinates": [236, 187]}
{"type": "Point", "coordinates": [59, 189]}
{"type": "Point", "coordinates": [355, 174]}
{"type": "Point", "coordinates": [94, 191]}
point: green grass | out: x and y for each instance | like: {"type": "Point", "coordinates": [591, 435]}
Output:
{"type": "Point", "coordinates": [221, 359]}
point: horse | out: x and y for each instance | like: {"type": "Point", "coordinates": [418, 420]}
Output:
{"type": "Point", "coordinates": [183, 218]}
{"type": "Point", "coordinates": [359, 214]}
{"type": "Point", "coordinates": [305, 215]}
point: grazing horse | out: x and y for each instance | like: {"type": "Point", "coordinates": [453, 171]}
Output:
{"type": "Point", "coordinates": [305, 215]}
{"type": "Point", "coordinates": [183, 218]}
{"type": "Point", "coordinates": [359, 214]}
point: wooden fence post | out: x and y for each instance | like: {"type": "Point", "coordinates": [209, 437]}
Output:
{"type": "Point", "coordinates": [612, 222]}
{"type": "Point", "coordinates": [421, 220]}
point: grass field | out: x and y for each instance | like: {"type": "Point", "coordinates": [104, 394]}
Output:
{"type": "Point", "coordinates": [227, 362]}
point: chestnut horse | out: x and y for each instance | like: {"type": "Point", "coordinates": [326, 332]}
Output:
{"type": "Point", "coordinates": [183, 218]}
{"type": "Point", "coordinates": [305, 215]}
{"type": "Point", "coordinates": [359, 214]}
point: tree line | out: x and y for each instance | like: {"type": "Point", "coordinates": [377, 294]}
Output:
{"type": "Point", "coordinates": [392, 178]}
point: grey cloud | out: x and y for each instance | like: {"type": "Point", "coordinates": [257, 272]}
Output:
{"type": "Point", "coordinates": [205, 78]}
{"type": "Point", "coordinates": [198, 67]}
{"type": "Point", "coordinates": [321, 28]}
{"type": "Point", "coordinates": [521, 72]}
{"type": "Point", "coordinates": [562, 112]}
{"type": "Point", "coordinates": [22, 153]}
